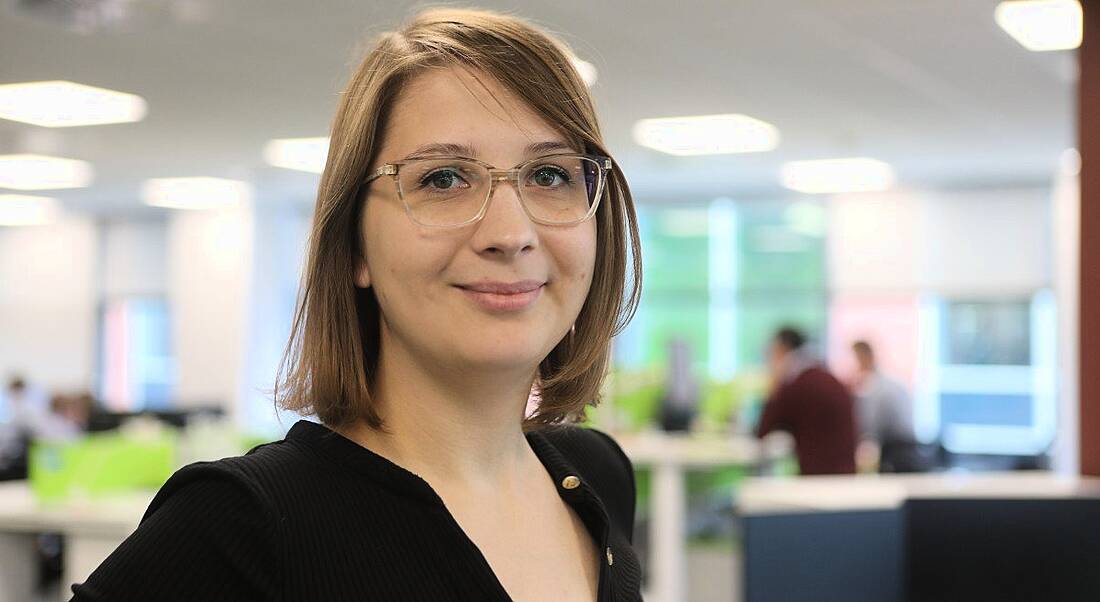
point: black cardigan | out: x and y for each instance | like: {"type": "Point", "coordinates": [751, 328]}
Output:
{"type": "Point", "coordinates": [318, 517]}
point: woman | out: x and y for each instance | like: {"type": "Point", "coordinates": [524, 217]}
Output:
{"type": "Point", "coordinates": [440, 292]}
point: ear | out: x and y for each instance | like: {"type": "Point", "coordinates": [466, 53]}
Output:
{"type": "Point", "coordinates": [362, 274]}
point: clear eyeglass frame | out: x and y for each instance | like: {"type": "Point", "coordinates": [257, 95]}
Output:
{"type": "Point", "coordinates": [603, 164]}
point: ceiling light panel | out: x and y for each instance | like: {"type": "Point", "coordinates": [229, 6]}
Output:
{"type": "Point", "coordinates": [57, 104]}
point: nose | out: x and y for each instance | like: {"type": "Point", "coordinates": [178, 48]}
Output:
{"type": "Point", "coordinates": [505, 231]}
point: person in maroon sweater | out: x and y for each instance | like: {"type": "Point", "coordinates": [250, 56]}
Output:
{"type": "Point", "coordinates": [811, 404]}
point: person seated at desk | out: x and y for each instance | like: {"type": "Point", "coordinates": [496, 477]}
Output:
{"type": "Point", "coordinates": [812, 405]}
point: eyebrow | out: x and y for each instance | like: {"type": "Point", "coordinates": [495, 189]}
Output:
{"type": "Point", "coordinates": [465, 150]}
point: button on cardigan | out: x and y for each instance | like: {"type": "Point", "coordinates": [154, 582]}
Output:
{"type": "Point", "coordinates": [318, 517]}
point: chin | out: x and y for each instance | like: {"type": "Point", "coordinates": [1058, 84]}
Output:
{"type": "Point", "coordinates": [510, 354]}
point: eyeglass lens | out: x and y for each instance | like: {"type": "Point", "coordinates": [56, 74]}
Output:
{"type": "Point", "coordinates": [449, 191]}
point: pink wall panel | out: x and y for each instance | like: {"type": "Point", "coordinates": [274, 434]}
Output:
{"type": "Point", "coordinates": [889, 323]}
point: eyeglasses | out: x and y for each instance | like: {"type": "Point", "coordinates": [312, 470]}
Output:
{"type": "Point", "coordinates": [449, 192]}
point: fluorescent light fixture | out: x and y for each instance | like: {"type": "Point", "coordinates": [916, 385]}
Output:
{"type": "Point", "coordinates": [57, 104]}
{"type": "Point", "coordinates": [195, 193]}
{"type": "Point", "coordinates": [41, 172]}
{"type": "Point", "coordinates": [1042, 25]}
{"type": "Point", "coordinates": [586, 70]}
{"type": "Point", "coordinates": [706, 134]}
{"type": "Point", "coordinates": [25, 210]}
{"type": "Point", "coordinates": [857, 174]}
{"type": "Point", "coordinates": [302, 154]}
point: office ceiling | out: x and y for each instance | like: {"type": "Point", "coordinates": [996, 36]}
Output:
{"type": "Point", "coordinates": [933, 87]}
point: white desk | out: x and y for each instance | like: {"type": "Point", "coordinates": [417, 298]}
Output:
{"type": "Point", "coordinates": [775, 495]}
{"type": "Point", "coordinates": [669, 456]}
{"type": "Point", "coordinates": [92, 530]}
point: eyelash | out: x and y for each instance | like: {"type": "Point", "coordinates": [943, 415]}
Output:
{"type": "Point", "coordinates": [424, 181]}
{"type": "Point", "coordinates": [564, 174]}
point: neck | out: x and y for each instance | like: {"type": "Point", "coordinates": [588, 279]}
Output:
{"type": "Point", "coordinates": [449, 425]}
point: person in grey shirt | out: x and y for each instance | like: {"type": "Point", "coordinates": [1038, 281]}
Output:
{"type": "Point", "coordinates": [885, 411]}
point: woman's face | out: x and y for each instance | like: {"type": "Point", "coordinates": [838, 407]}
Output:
{"type": "Point", "coordinates": [424, 278]}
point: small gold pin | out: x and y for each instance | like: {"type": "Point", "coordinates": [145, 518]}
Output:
{"type": "Point", "coordinates": [571, 482]}
{"type": "Point", "coordinates": [610, 558]}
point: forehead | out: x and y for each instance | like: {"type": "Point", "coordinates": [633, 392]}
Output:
{"type": "Point", "coordinates": [456, 105]}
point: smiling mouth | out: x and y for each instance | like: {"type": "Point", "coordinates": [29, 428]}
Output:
{"type": "Point", "coordinates": [503, 297]}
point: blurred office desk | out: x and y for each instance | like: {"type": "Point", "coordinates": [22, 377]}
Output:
{"type": "Point", "coordinates": [896, 537]}
{"type": "Point", "coordinates": [764, 495]}
{"type": "Point", "coordinates": [669, 455]}
{"type": "Point", "coordinates": [92, 530]}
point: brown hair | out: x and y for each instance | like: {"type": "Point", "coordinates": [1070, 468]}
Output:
{"type": "Point", "coordinates": [333, 351]}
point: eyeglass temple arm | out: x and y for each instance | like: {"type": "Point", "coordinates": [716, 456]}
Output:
{"type": "Point", "coordinates": [386, 170]}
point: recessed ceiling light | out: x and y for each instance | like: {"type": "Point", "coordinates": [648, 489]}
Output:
{"type": "Point", "coordinates": [195, 193]}
{"type": "Point", "coordinates": [856, 174]}
{"type": "Point", "coordinates": [302, 154]}
{"type": "Point", "coordinates": [1042, 25]}
{"type": "Point", "coordinates": [706, 134]}
{"type": "Point", "coordinates": [41, 172]}
{"type": "Point", "coordinates": [586, 70]}
{"type": "Point", "coordinates": [25, 210]}
{"type": "Point", "coordinates": [56, 104]}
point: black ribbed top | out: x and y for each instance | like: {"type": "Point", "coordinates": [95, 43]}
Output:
{"type": "Point", "coordinates": [318, 517]}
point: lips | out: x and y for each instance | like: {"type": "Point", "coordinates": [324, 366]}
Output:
{"type": "Point", "coordinates": [497, 296]}
{"type": "Point", "coordinates": [503, 288]}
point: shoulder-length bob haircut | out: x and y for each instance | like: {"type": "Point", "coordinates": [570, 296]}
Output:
{"type": "Point", "coordinates": [330, 361]}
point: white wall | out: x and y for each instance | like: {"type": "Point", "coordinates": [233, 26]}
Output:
{"type": "Point", "coordinates": [134, 258]}
{"type": "Point", "coordinates": [875, 242]}
{"type": "Point", "coordinates": [209, 272]}
{"type": "Point", "coordinates": [48, 302]}
{"type": "Point", "coordinates": [989, 242]}
{"type": "Point", "coordinates": [974, 243]}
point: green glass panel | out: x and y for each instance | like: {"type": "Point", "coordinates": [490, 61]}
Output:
{"type": "Point", "coordinates": [781, 246]}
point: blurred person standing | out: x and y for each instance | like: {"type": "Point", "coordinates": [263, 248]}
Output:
{"type": "Point", "coordinates": [22, 416]}
{"type": "Point", "coordinates": [885, 411]}
{"type": "Point", "coordinates": [812, 405]}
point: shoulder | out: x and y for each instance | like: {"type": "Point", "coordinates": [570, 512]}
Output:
{"type": "Point", "coordinates": [251, 480]}
{"type": "Point", "coordinates": [600, 461]}
{"type": "Point", "coordinates": [818, 377]}
{"type": "Point", "coordinates": [210, 533]}
{"type": "Point", "coordinates": [588, 448]}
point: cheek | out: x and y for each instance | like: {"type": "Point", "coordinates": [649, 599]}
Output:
{"type": "Point", "coordinates": [588, 250]}
{"type": "Point", "coordinates": [575, 254]}
{"type": "Point", "coordinates": [404, 263]}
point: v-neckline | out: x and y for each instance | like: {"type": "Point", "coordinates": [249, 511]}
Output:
{"type": "Point", "coordinates": [558, 468]}
{"type": "Point", "coordinates": [396, 477]}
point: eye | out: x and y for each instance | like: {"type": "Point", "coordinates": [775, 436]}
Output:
{"type": "Point", "coordinates": [443, 179]}
{"type": "Point", "coordinates": [549, 176]}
